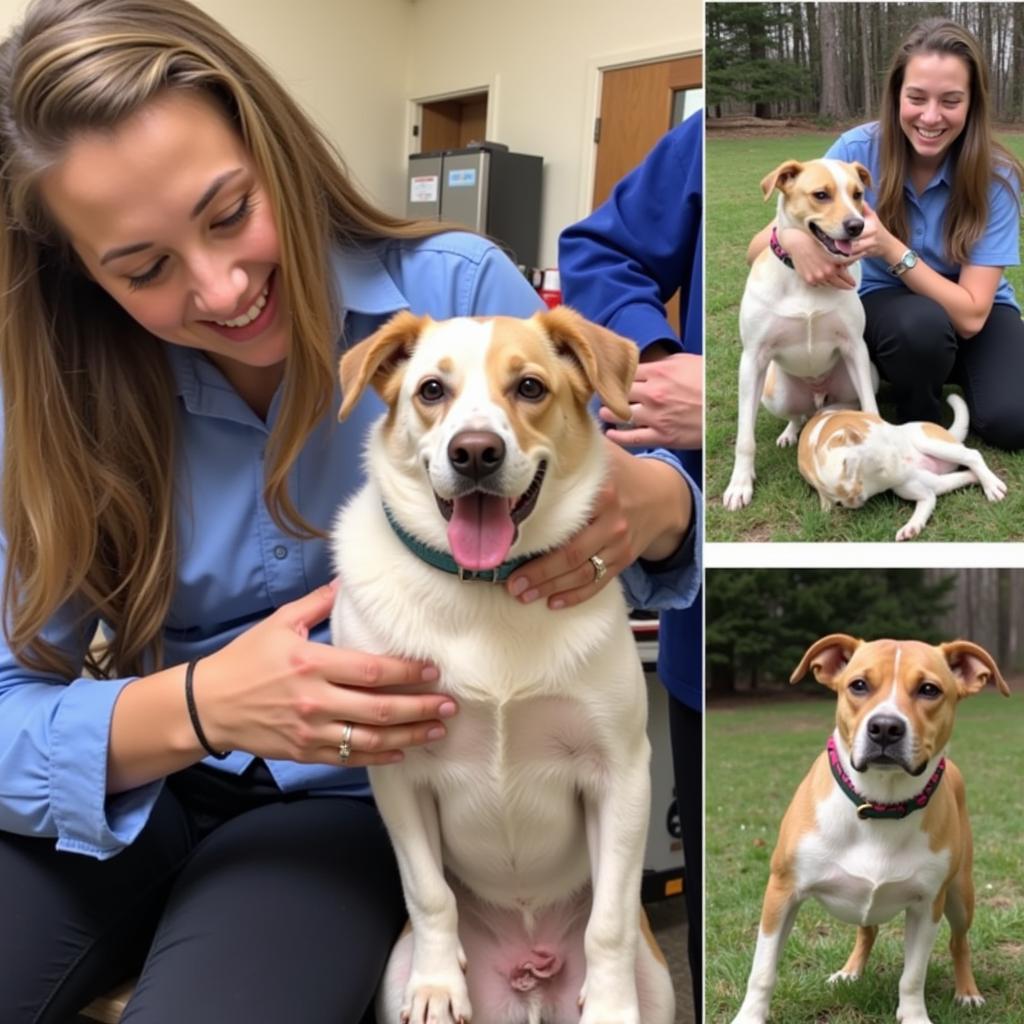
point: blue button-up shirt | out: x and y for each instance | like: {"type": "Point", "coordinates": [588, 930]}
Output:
{"type": "Point", "coordinates": [234, 565]}
{"type": "Point", "coordinates": [998, 246]}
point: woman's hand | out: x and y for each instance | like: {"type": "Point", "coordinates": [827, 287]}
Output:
{"type": "Point", "coordinates": [667, 403]}
{"type": "Point", "coordinates": [642, 510]}
{"type": "Point", "coordinates": [812, 262]}
{"type": "Point", "coordinates": [876, 241]}
{"type": "Point", "coordinates": [277, 694]}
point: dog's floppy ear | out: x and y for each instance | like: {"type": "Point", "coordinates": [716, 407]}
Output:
{"type": "Point", "coordinates": [781, 177]}
{"type": "Point", "coordinates": [826, 658]}
{"type": "Point", "coordinates": [863, 173]}
{"type": "Point", "coordinates": [608, 361]}
{"type": "Point", "coordinates": [375, 359]}
{"type": "Point", "coordinates": [973, 667]}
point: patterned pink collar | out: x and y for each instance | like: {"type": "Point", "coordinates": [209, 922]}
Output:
{"type": "Point", "coordinates": [867, 808]}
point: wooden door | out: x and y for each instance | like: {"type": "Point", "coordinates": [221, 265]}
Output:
{"type": "Point", "coordinates": [637, 104]}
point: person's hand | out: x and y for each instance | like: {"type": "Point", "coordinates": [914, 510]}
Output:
{"type": "Point", "coordinates": [275, 693]}
{"type": "Point", "coordinates": [667, 404]}
{"type": "Point", "coordinates": [876, 241]}
{"type": "Point", "coordinates": [642, 510]}
{"type": "Point", "coordinates": [812, 262]}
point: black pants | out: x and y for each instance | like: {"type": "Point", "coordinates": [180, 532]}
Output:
{"type": "Point", "coordinates": [235, 903]}
{"type": "Point", "coordinates": [687, 728]}
{"type": "Point", "coordinates": [917, 350]}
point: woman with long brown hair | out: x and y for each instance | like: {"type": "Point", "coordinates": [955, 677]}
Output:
{"type": "Point", "coordinates": [182, 259]}
{"type": "Point", "coordinates": [943, 222]}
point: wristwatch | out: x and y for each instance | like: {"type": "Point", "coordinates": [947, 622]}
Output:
{"type": "Point", "coordinates": [906, 262]}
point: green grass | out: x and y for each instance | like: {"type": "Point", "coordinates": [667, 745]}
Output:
{"type": "Point", "coordinates": [785, 508]}
{"type": "Point", "coordinates": [756, 757]}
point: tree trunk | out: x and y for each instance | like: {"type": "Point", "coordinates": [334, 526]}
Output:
{"type": "Point", "coordinates": [833, 92]}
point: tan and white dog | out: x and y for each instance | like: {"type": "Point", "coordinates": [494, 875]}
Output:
{"type": "Point", "coordinates": [848, 457]}
{"type": "Point", "coordinates": [803, 347]}
{"type": "Point", "coordinates": [879, 825]}
{"type": "Point", "coordinates": [519, 836]}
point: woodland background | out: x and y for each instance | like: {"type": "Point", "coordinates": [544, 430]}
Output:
{"type": "Point", "coordinates": [759, 622]}
{"type": "Point", "coordinates": [826, 62]}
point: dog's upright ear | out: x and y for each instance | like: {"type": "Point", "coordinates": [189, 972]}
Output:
{"type": "Point", "coordinates": [376, 358]}
{"type": "Point", "coordinates": [608, 361]}
{"type": "Point", "coordinates": [826, 658]}
{"type": "Point", "coordinates": [972, 667]}
{"type": "Point", "coordinates": [781, 178]}
{"type": "Point", "coordinates": [863, 173]}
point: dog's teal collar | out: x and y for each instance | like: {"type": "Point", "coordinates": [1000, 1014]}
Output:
{"type": "Point", "coordinates": [867, 808]}
{"type": "Point", "coordinates": [443, 561]}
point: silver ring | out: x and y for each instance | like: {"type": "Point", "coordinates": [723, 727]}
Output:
{"type": "Point", "coordinates": [600, 567]}
{"type": "Point", "coordinates": [345, 746]}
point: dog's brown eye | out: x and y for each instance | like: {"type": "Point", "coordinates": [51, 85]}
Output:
{"type": "Point", "coordinates": [822, 196]}
{"type": "Point", "coordinates": [431, 390]}
{"type": "Point", "coordinates": [531, 389]}
{"type": "Point", "coordinates": [858, 196]}
{"type": "Point", "coordinates": [929, 691]}
{"type": "Point", "coordinates": [859, 687]}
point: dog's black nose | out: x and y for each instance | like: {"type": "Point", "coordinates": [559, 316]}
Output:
{"type": "Point", "coordinates": [853, 226]}
{"type": "Point", "coordinates": [886, 729]}
{"type": "Point", "coordinates": [476, 453]}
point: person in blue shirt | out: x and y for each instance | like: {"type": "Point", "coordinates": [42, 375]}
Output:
{"type": "Point", "coordinates": [619, 267]}
{"type": "Point", "coordinates": [182, 260]}
{"type": "Point", "coordinates": [942, 223]}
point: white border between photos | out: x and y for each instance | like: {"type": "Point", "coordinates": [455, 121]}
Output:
{"type": "Point", "coordinates": [858, 555]}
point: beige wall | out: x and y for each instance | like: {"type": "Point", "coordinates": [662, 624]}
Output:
{"type": "Point", "coordinates": [355, 65]}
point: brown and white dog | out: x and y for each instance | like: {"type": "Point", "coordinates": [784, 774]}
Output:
{"type": "Point", "coordinates": [520, 835]}
{"type": "Point", "coordinates": [811, 339]}
{"type": "Point", "coordinates": [848, 457]}
{"type": "Point", "coordinates": [879, 825]}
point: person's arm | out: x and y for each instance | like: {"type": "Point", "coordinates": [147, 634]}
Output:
{"type": "Point", "coordinates": [967, 300]}
{"type": "Point", "coordinates": [620, 265]}
{"type": "Point", "coordinates": [275, 693]}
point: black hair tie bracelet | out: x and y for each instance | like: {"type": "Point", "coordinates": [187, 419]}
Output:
{"type": "Point", "coordinates": [190, 700]}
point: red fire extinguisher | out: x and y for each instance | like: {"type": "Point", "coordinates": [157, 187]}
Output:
{"type": "Point", "coordinates": [551, 288]}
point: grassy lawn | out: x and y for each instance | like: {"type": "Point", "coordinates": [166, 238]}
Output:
{"type": "Point", "coordinates": [784, 506]}
{"type": "Point", "coordinates": [757, 754]}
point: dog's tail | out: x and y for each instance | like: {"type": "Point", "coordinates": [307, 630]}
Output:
{"type": "Point", "coordinates": [961, 417]}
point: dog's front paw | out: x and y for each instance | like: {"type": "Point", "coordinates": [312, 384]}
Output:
{"type": "Point", "coordinates": [842, 976]}
{"type": "Point", "coordinates": [994, 488]}
{"type": "Point", "coordinates": [738, 493]}
{"type": "Point", "coordinates": [969, 999]}
{"type": "Point", "coordinates": [436, 998]}
{"type": "Point", "coordinates": [913, 1015]}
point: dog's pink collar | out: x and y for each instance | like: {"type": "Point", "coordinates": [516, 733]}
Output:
{"type": "Point", "coordinates": [778, 250]}
{"type": "Point", "coordinates": [869, 809]}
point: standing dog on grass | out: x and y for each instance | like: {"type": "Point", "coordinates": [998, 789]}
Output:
{"type": "Point", "coordinates": [879, 826]}
{"type": "Point", "coordinates": [803, 347]}
{"type": "Point", "coordinates": [520, 835]}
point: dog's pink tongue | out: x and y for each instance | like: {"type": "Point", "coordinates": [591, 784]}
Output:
{"type": "Point", "coordinates": [842, 245]}
{"type": "Point", "coordinates": [480, 531]}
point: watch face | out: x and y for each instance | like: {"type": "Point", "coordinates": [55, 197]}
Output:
{"type": "Point", "coordinates": [909, 259]}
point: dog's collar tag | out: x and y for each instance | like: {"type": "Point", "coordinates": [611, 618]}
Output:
{"type": "Point", "coordinates": [443, 561]}
{"type": "Point", "coordinates": [867, 808]}
{"type": "Point", "coordinates": [779, 251]}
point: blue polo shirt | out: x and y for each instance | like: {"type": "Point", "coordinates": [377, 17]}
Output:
{"type": "Point", "coordinates": [234, 564]}
{"type": "Point", "coordinates": [998, 246]}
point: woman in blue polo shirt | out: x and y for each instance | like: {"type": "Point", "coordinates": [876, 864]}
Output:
{"type": "Point", "coordinates": [182, 260]}
{"type": "Point", "coordinates": [943, 222]}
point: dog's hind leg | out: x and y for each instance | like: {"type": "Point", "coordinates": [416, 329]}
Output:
{"type": "Point", "coordinates": [854, 966]}
{"type": "Point", "coordinates": [960, 912]}
{"type": "Point", "coordinates": [653, 982]}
